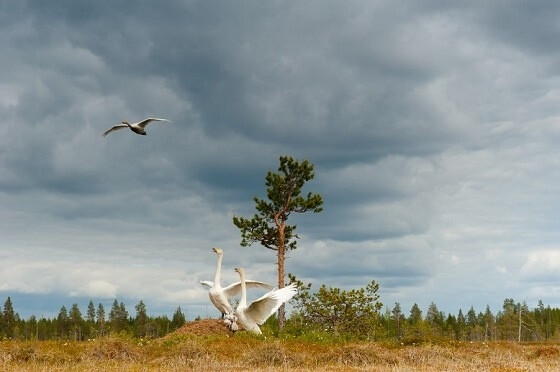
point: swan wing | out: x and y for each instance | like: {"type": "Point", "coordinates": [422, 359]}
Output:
{"type": "Point", "coordinates": [207, 283]}
{"type": "Point", "coordinates": [142, 124]}
{"type": "Point", "coordinates": [116, 127]}
{"type": "Point", "coordinates": [264, 307]}
{"type": "Point", "coordinates": [235, 288]}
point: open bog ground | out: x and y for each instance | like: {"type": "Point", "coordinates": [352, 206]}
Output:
{"type": "Point", "coordinates": [205, 346]}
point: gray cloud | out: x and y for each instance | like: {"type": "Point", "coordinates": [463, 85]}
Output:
{"type": "Point", "coordinates": [432, 127]}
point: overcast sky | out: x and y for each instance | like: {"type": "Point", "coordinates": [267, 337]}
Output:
{"type": "Point", "coordinates": [434, 130]}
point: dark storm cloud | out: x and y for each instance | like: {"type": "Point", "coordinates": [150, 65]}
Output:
{"type": "Point", "coordinates": [270, 76]}
{"type": "Point", "coordinates": [530, 26]}
{"type": "Point", "coordinates": [327, 87]}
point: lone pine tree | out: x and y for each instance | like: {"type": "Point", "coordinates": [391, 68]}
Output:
{"type": "Point", "coordinates": [269, 226]}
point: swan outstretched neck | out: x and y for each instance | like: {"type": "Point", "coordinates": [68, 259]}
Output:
{"type": "Point", "coordinates": [255, 314]}
{"type": "Point", "coordinates": [219, 296]}
{"type": "Point", "coordinates": [135, 127]}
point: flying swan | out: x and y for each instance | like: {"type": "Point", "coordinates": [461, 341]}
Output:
{"type": "Point", "coordinates": [135, 127]}
{"type": "Point", "coordinates": [250, 317]}
{"type": "Point", "coordinates": [219, 296]}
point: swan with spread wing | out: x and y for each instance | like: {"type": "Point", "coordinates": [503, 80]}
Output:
{"type": "Point", "coordinates": [219, 296]}
{"type": "Point", "coordinates": [251, 316]}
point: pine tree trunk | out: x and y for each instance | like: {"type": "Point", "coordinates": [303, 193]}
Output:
{"type": "Point", "coordinates": [282, 309]}
{"type": "Point", "coordinates": [281, 256]}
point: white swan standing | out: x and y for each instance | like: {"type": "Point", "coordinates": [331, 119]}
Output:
{"type": "Point", "coordinates": [255, 314]}
{"type": "Point", "coordinates": [135, 127]}
{"type": "Point", "coordinates": [219, 296]}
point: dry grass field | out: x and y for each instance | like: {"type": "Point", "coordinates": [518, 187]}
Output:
{"type": "Point", "coordinates": [206, 346]}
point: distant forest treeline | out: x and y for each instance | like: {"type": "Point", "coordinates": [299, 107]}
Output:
{"type": "Point", "coordinates": [72, 324]}
{"type": "Point", "coordinates": [514, 322]}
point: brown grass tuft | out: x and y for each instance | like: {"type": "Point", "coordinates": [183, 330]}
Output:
{"type": "Point", "coordinates": [272, 355]}
{"type": "Point", "coordinates": [114, 348]}
{"type": "Point", "coordinates": [181, 353]}
{"type": "Point", "coordinates": [14, 352]}
{"type": "Point", "coordinates": [49, 352]}
{"type": "Point", "coordinates": [349, 355]}
{"type": "Point", "coordinates": [546, 352]}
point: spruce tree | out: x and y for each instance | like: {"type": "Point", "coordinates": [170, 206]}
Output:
{"type": "Point", "coordinates": [141, 319]}
{"type": "Point", "coordinates": [178, 319]}
{"type": "Point", "coordinates": [123, 314]}
{"type": "Point", "coordinates": [434, 318]}
{"type": "Point", "coordinates": [9, 318]}
{"type": "Point", "coordinates": [415, 314]}
{"type": "Point", "coordinates": [114, 317]}
{"type": "Point", "coordinates": [489, 325]}
{"type": "Point", "coordinates": [460, 330]}
{"type": "Point", "coordinates": [100, 316]}
{"type": "Point", "coordinates": [90, 315]}
{"type": "Point", "coordinates": [62, 321]}
{"type": "Point", "coordinates": [415, 321]}
{"type": "Point", "coordinates": [75, 322]}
